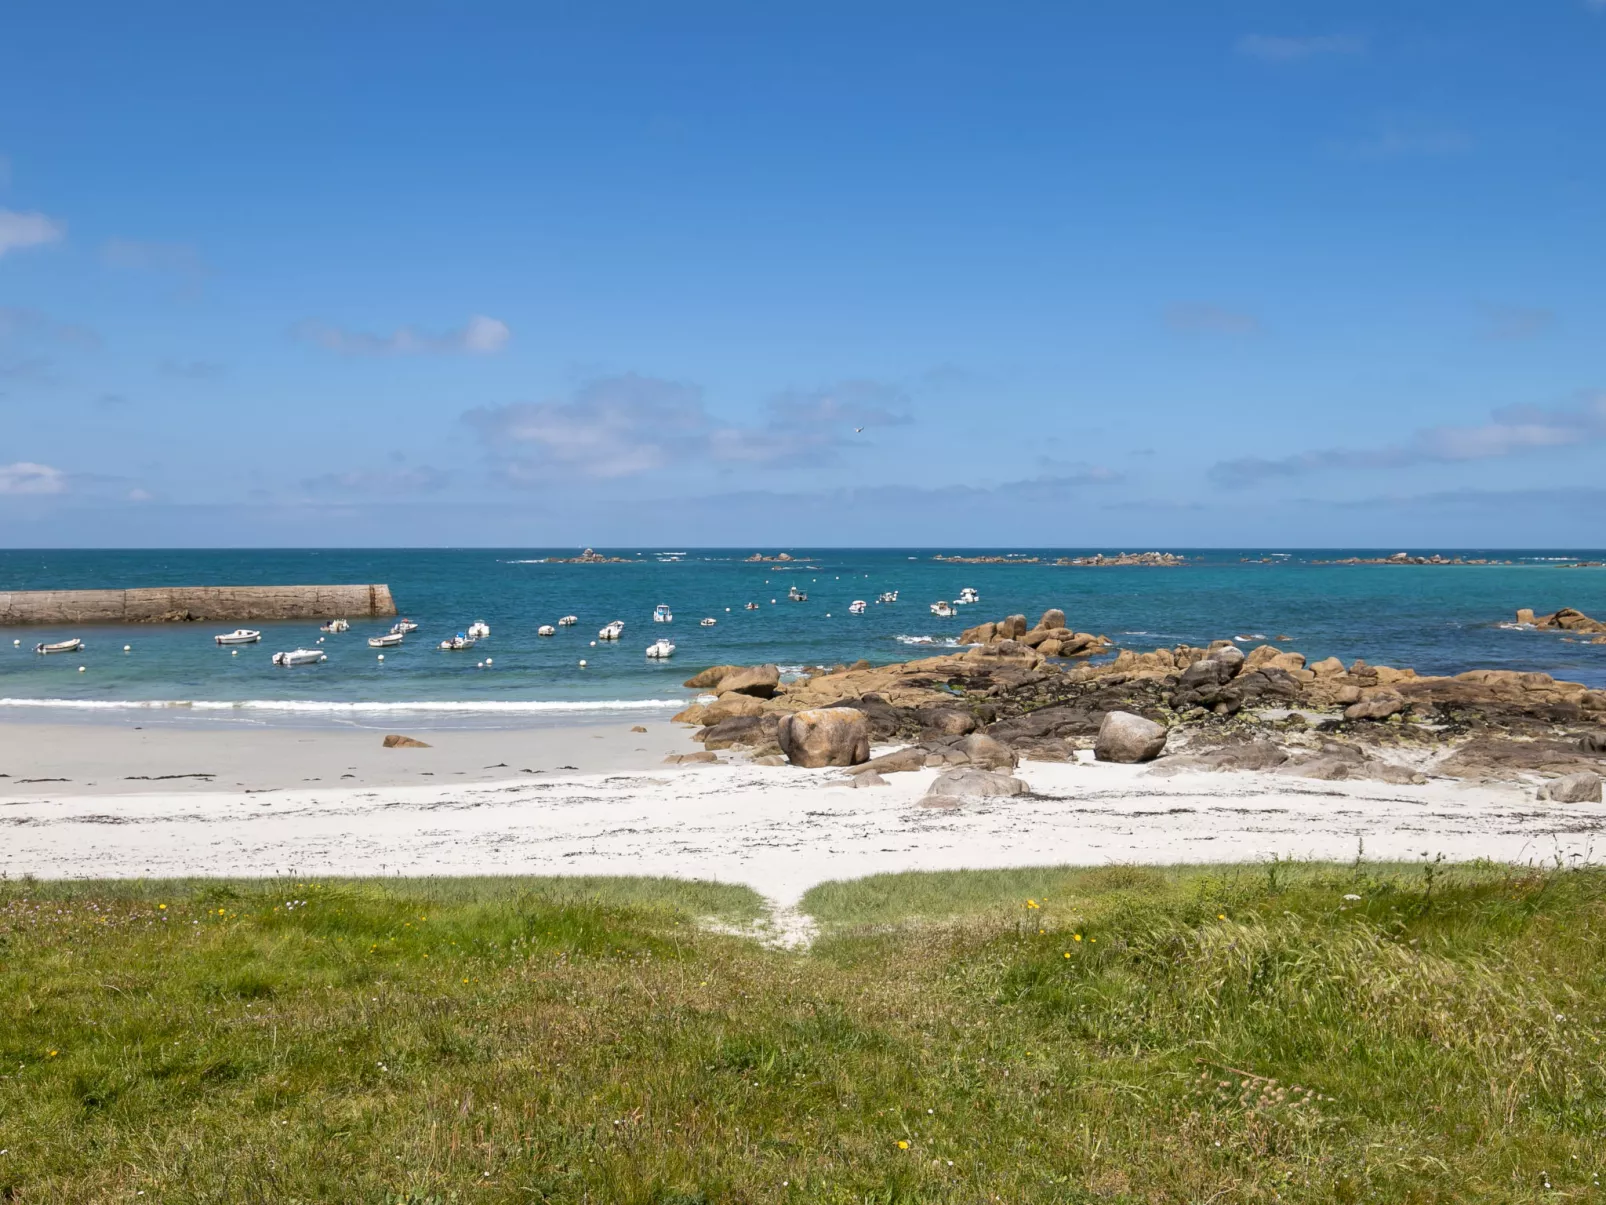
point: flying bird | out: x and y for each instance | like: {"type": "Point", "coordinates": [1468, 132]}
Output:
{"type": "Point", "coordinates": [857, 430]}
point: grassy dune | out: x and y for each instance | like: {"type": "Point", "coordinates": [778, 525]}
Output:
{"type": "Point", "coordinates": [1054, 1035]}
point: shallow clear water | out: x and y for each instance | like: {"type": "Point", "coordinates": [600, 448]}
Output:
{"type": "Point", "coordinates": [1437, 619]}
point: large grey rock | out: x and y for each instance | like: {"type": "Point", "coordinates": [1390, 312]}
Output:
{"type": "Point", "coordinates": [984, 751]}
{"type": "Point", "coordinates": [1012, 628]}
{"type": "Point", "coordinates": [1573, 788]}
{"type": "Point", "coordinates": [897, 762]}
{"type": "Point", "coordinates": [1124, 737]}
{"type": "Point", "coordinates": [757, 680]}
{"type": "Point", "coordinates": [971, 783]}
{"type": "Point", "coordinates": [1052, 618]}
{"type": "Point", "coordinates": [946, 721]}
{"type": "Point", "coordinates": [1377, 706]}
{"type": "Point", "coordinates": [1231, 656]}
{"type": "Point", "coordinates": [1593, 742]}
{"type": "Point", "coordinates": [824, 736]}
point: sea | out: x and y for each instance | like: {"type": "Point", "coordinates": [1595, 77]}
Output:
{"type": "Point", "coordinates": [1438, 619]}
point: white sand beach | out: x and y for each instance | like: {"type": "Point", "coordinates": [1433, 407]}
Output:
{"type": "Point", "coordinates": [288, 801]}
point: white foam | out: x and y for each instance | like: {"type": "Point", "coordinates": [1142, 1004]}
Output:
{"type": "Point", "coordinates": [492, 706]}
{"type": "Point", "coordinates": [947, 642]}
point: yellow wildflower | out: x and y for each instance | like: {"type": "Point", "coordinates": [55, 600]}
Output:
{"type": "Point", "coordinates": [161, 907]}
{"type": "Point", "coordinates": [1076, 937]}
{"type": "Point", "coordinates": [902, 1145]}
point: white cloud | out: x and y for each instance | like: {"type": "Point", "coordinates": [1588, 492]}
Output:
{"type": "Point", "coordinates": [25, 477]}
{"type": "Point", "coordinates": [479, 336]}
{"type": "Point", "coordinates": [19, 230]}
{"type": "Point", "coordinates": [624, 426]}
{"type": "Point", "coordinates": [1272, 48]}
{"type": "Point", "coordinates": [1512, 430]}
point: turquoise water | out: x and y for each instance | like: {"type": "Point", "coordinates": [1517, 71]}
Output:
{"type": "Point", "coordinates": [1437, 619]}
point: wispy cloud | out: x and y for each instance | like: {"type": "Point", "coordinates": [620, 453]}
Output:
{"type": "Point", "coordinates": [477, 337]}
{"type": "Point", "coordinates": [1510, 431]}
{"type": "Point", "coordinates": [623, 426]}
{"type": "Point", "coordinates": [415, 479]}
{"type": "Point", "coordinates": [1203, 318]}
{"type": "Point", "coordinates": [33, 370]}
{"type": "Point", "coordinates": [1409, 137]}
{"type": "Point", "coordinates": [20, 322]}
{"type": "Point", "coordinates": [190, 370]}
{"type": "Point", "coordinates": [181, 262]}
{"type": "Point", "coordinates": [26, 477]}
{"type": "Point", "coordinates": [1516, 321]}
{"type": "Point", "coordinates": [18, 230]}
{"type": "Point", "coordinates": [1275, 48]}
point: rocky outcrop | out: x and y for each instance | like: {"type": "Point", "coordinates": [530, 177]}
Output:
{"type": "Point", "coordinates": [592, 557]}
{"type": "Point", "coordinates": [1050, 638]}
{"type": "Point", "coordinates": [835, 736]}
{"type": "Point", "coordinates": [1573, 788]}
{"type": "Point", "coordinates": [1566, 620]}
{"type": "Point", "coordinates": [758, 558]}
{"type": "Point", "coordinates": [1124, 737]}
{"type": "Point", "coordinates": [1099, 560]}
{"type": "Point", "coordinates": [970, 783]}
{"type": "Point", "coordinates": [211, 604]}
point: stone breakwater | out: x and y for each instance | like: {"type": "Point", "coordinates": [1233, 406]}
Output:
{"type": "Point", "coordinates": [179, 604]}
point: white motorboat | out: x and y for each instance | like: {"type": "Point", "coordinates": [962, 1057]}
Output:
{"type": "Point", "coordinates": [662, 614]}
{"type": "Point", "coordinates": [61, 646]}
{"type": "Point", "coordinates": [388, 641]}
{"type": "Point", "coordinates": [613, 631]}
{"type": "Point", "coordinates": [857, 607]}
{"type": "Point", "coordinates": [660, 649]}
{"type": "Point", "coordinates": [404, 627]}
{"type": "Point", "coordinates": [568, 621]}
{"type": "Point", "coordinates": [796, 595]}
{"type": "Point", "coordinates": [479, 629]}
{"type": "Point", "coordinates": [709, 622]}
{"type": "Point", "coordinates": [546, 629]}
{"type": "Point", "coordinates": [942, 609]}
{"type": "Point", "coordinates": [239, 636]}
{"type": "Point", "coordinates": [458, 643]}
{"type": "Point", "coordinates": [300, 657]}
{"type": "Point", "coordinates": [887, 596]}
{"type": "Point", "coordinates": [750, 607]}
{"type": "Point", "coordinates": [336, 625]}
{"type": "Point", "coordinates": [967, 595]}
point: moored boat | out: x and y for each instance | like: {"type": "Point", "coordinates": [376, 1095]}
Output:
{"type": "Point", "coordinates": [750, 607]}
{"type": "Point", "coordinates": [388, 641]}
{"type": "Point", "coordinates": [967, 595]}
{"type": "Point", "coordinates": [942, 609]}
{"type": "Point", "coordinates": [61, 646]}
{"type": "Point", "coordinates": [709, 622]}
{"type": "Point", "coordinates": [662, 614]}
{"type": "Point", "coordinates": [239, 636]}
{"type": "Point", "coordinates": [479, 629]}
{"type": "Point", "coordinates": [336, 625]}
{"type": "Point", "coordinates": [660, 649]}
{"type": "Point", "coordinates": [612, 631]}
{"type": "Point", "coordinates": [404, 627]}
{"type": "Point", "coordinates": [458, 643]}
{"type": "Point", "coordinates": [546, 629]}
{"type": "Point", "coordinates": [300, 657]}
{"type": "Point", "coordinates": [796, 595]}
{"type": "Point", "coordinates": [857, 607]}
{"type": "Point", "coordinates": [568, 621]}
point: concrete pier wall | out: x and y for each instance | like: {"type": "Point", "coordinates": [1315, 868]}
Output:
{"type": "Point", "coordinates": [177, 604]}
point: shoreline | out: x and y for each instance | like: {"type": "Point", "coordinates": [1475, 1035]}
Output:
{"type": "Point", "coordinates": [779, 830]}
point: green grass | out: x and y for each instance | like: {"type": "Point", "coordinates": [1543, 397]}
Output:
{"type": "Point", "coordinates": [1120, 1034]}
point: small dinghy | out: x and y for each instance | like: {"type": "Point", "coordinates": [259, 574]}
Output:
{"type": "Point", "coordinates": [660, 649]}
{"type": "Point", "coordinates": [568, 621]}
{"type": "Point", "coordinates": [61, 646]}
{"type": "Point", "coordinates": [750, 607]}
{"type": "Point", "coordinates": [479, 629]}
{"type": "Point", "coordinates": [300, 657]}
{"type": "Point", "coordinates": [458, 643]}
{"type": "Point", "coordinates": [388, 641]}
{"type": "Point", "coordinates": [709, 622]}
{"type": "Point", "coordinates": [662, 614]}
{"type": "Point", "coordinates": [613, 631]}
{"type": "Point", "coordinates": [857, 607]}
{"type": "Point", "coordinates": [336, 625]}
{"type": "Point", "coordinates": [239, 636]}
{"type": "Point", "coordinates": [546, 629]}
{"type": "Point", "coordinates": [796, 595]}
{"type": "Point", "coordinates": [403, 627]}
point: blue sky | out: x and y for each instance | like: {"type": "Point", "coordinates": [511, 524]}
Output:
{"type": "Point", "coordinates": [1085, 275]}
